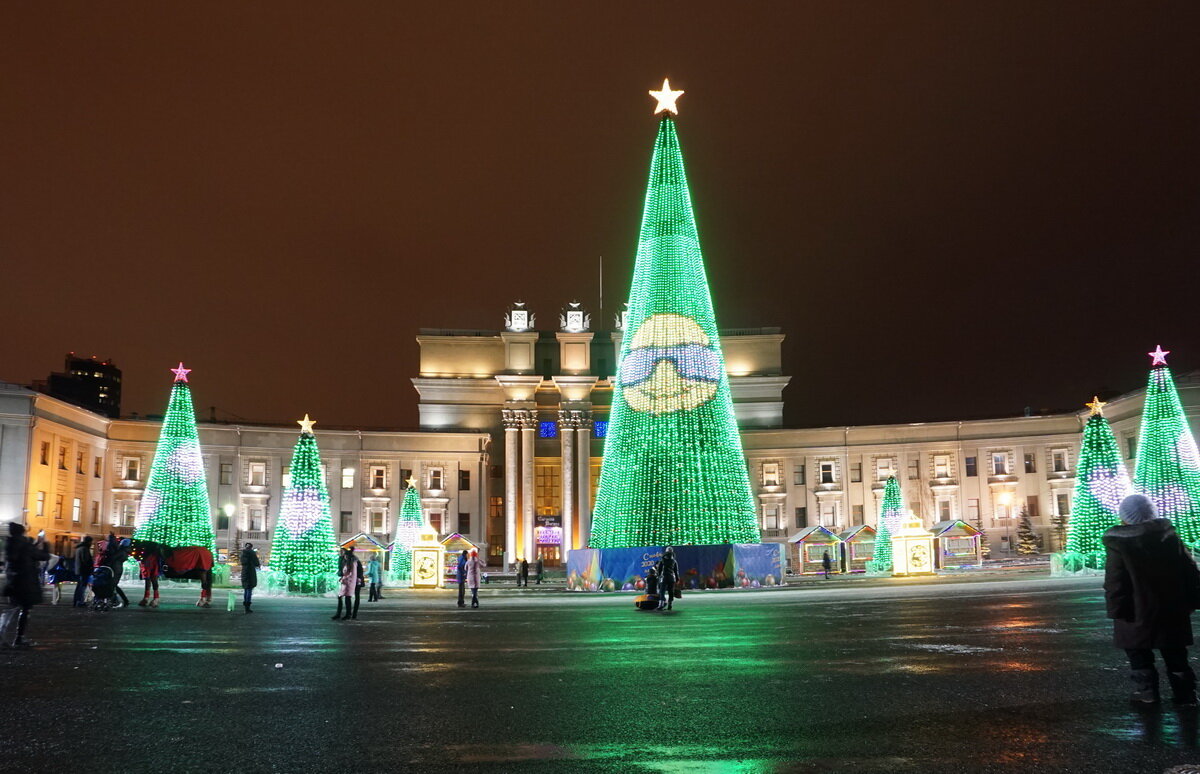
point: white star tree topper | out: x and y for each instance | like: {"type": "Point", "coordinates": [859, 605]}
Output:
{"type": "Point", "coordinates": [666, 98]}
{"type": "Point", "coordinates": [306, 425]}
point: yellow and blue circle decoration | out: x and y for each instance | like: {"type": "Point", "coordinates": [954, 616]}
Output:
{"type": "Point", "coordinates": [671, 366]}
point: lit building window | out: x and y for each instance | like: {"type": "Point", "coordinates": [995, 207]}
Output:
{"type": "Point", "coordinates": [347, 478]}
{"type": "Point", "coordinates": [600, 428]}
{"type": "Point", "coordinates": [547, 429]}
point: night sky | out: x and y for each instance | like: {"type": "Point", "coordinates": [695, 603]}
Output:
{"type": "Point", "coordinates": [953, 209]}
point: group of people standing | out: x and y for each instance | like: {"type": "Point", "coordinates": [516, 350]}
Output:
{"type": "Point", "coordinates": [663, 580]}
{"type": "Point", "coordinates": [470, 573]}
{"type": "Point", "coordinates": [539, 570]}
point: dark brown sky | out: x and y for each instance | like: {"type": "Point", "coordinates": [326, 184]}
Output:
{"type": "Point", "coordinates": [953, 209]}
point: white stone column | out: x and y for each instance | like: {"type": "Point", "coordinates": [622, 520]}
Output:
{"type": "Point", "coordinates": [527, 484]}
{"type": "Point", "coordinates": [511, 488]}
{"type": "Point", "coordinates": [566, 434]}
{"type": "Point", "coordinates": [583, 438]}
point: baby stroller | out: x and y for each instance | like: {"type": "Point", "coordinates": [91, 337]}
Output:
{"type": "Point", "coordinates": [60, 572]}
{"type": "Point", "coordinates": [102, 588]}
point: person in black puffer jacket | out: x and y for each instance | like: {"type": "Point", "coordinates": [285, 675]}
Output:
{"type": "Point", "coordinates": [1151, 587]}
{"type": "Point", "coordinates": [22, 585]}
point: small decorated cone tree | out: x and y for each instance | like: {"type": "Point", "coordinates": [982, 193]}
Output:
{"type": "Point", "coordinates": [1101, 482]}
{"type": "Point", "coordinates": [305, 549]}
{"type": "Point", "coordinates": [408, 525]}
{"type": "Point", "coordinates": [1168, 466]}
{"type": "Point", "coordinates": [174, 510]}
{"type": "Point", "coordinates": [1028, 543]}
{"type": "Point", "coordinates": [891, 511]}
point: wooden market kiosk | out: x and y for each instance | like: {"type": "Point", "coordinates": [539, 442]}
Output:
{"type": "Point", "coordinates": [454, 545]}
{"type": "Point", "coordinates": [858, 548]}
{"type": "Point", "coordinates": [957, 544]}
{"type": "Point", "coordinates": [808, 549]}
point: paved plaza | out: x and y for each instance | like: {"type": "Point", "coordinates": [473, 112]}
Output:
{"type": "Point", "coordinates": [995, 675]}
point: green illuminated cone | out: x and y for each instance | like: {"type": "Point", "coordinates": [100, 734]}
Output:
{"type": "Point", "coordinates": [305, 549]}
{"type": "Point", "coordinates": [1168, 466]}
{"type": "Point", "coordinates": [174, 510]}
{"type": "Point", "coordinates": [408, 526]}
{"type": "Point", "coordinates": [673, 469]}
{"type": "Point", "coordinates": [1101, 482]}
{"type": "Point", "coordinates": [891, 513]}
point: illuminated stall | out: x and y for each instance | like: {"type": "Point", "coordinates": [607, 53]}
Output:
{"type": "Point", "coordinates": [453, 546]}
{"type": "Point", "coordinates": [858, 548]}
{"type": "Point", "coordinates": [809, 547]}
{"type": "Point", "coordinates": [957, 544]}
{"type": "Point", "coordinates": [912, 548]}
{"type": "Point", "coordinates": [428, 560]}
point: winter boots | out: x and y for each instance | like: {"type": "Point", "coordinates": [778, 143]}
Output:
{"type": "Point", "coordinates": [1183, 688]}
{"type": "Point", "coordinates": [1145, 686]}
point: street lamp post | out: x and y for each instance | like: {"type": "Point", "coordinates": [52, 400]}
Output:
{"type": "Point", "coordinates": [229, 509]}
{"type": "Point", "coordinates": [1006, 499]}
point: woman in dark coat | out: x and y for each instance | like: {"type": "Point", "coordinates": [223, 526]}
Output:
{"type": "Point", "coordinates": [1151, 586]}
{"type": "Point", "coordinates": [250, 565]}
{"type": "Point", "coordinates": [22, 585]}
{"type": "Point", "coordinates": [83, 568]}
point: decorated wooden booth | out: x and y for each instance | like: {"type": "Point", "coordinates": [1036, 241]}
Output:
{"type": "Point", "coordinates": [454, 545]}
{"type": "Point", "coordinates": [957, 544]}
{"type": "Point", "coordinates": [912, 548]}
{"type": "Point", "coordinates": [809, 546]}
{"type": "Point", "coordinates": [858, 548]}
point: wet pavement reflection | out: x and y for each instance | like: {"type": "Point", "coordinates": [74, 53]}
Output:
{"type": "Point", "coordinates": [986, 676]}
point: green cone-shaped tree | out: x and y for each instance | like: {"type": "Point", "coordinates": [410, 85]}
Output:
{"type": "Point", "coordinates": [408, 525]}
{"type": "Point", "coordinates": [673, 467]}
{"type": "Point", "coordinates": [891, 512]}
{"type": "Point", "coordinates": [1101, 482]}
{"type": "Point", "coordinates": [174, 510]}
{"type": "Point", "coordinates": [305, 549]}
{"type": "Point", "coordinates": [1168, 466]}
{"type": "Point", "coordinates": [1028, 542]}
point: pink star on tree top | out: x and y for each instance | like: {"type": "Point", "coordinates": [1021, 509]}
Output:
{"type": "Point", "coordinates": [1159, 355]}
{"type": "Point", "coordinates": [181, 372]}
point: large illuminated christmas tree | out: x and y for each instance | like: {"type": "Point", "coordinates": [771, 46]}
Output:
{"type": "Point", "coordinates": [305, 549]}
{"type": "Point", "coordinates": [891, 513]}
{"type": "Point", "coordinates": [408, 526]}
{"type": "Point", "coordinates": [1168, 466]}
{"type": "Point", "coordinates": [1101, 482]}
{"type": "Point", "coordinates": [174, 510]}
{"type": "Point", "coordinates": [673, 467]}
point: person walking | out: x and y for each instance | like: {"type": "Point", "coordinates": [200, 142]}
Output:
{"type": "Point", "coordinates": [250, 565]}
{"type": "Point", "coordinates": [826, 564]}
{"type": "Point", "coordinates": [22, 584]}
{"type": "Point", "coordinates": [83, 569]}
{"type": "Point", "coordinates": [118, 552]}
{"type": "Point", "coordinates": [523, 573]}
{"type": "Point", "coordinates": [150, 567]}
{"type": "Point", "coordinates": [668, 576]}
{"type": "Point", "coordinates": [347, 583]}
{"type": "Point", "coordinates": [462, 578]}
{"type": "Point", "coordinates": [474, 572]}
{"type": "Point", "coordinates": [1151, 587]}
{"type": "Point", "coordinates": [539, 571]}
{"type": "Point", "coordinates": [374, 577]}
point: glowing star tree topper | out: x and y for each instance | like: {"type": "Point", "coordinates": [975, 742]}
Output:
{"type": "Point", "coordinates": [305, 549]}
{"type": "Point", "coordinates": [1101, 482]}
{"type": "Point", "coordinates": [174, 509]}
{"type": "Point", "coordinates": [1168, 466]}
{"type": "Point", "coordinates": [666, 98]}
{"type": "Point", "coordinates": [673, 468]}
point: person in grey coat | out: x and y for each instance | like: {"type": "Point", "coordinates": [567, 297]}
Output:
{"type": "Point", "coordinates": [250, 565]}
{"type": "Point", "coordinates": [1151, 587]}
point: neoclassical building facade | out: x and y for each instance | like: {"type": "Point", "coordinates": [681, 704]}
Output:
{"type": "Point", "coordinates": [511, 444]}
